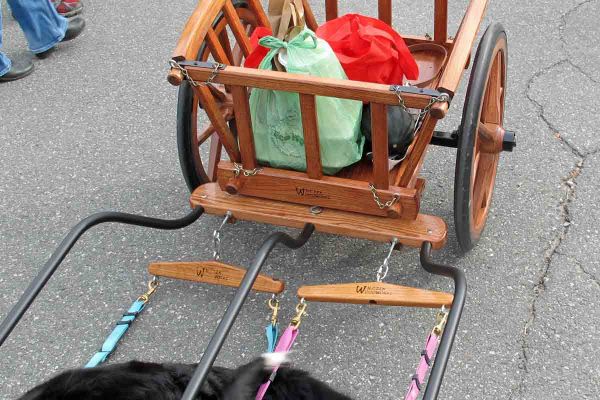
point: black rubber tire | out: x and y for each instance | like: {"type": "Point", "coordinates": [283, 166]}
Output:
{"type": "Point", "coordinates": [466, 235]}
{"type": "Point", "coordinates": [193, 174]}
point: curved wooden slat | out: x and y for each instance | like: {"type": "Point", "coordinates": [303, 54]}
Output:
{"type": "Point", "coordinates": [379, 293]}
{"type": "Point", "coordinates": [214, 272]}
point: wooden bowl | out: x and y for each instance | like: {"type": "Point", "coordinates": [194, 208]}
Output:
{"type": "Point", "coordinates": [430, 58]}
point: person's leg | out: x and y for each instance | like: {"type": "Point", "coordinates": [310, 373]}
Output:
{"type": "Point", "coordinates": [42, 25]}
{"type": "Point", "coordinates": [4, 61]}
{"type": "Point", "coordinates": [10, 71]}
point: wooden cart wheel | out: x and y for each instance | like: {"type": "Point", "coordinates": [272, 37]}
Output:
{"type": "Point", "coordinates": [481, 128]}
{"type": "Point", "coordinates": [199, 148]}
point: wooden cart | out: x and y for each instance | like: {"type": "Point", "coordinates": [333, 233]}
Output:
{"type": "Point", "coordinates": [375, 200]}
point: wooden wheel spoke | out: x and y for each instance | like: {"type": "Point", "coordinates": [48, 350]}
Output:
{"type": "Point", "coordinates": [207, 133]}
{"type": "Point", "coordinates": [224, 39]}
{"type": "Point", "coordinates": [500, 102]}
{"type": "Point", "coordinates": [484, 181]}
{"type": "Point", "coordinates": [474, 170]}
{"type": "Point", "coordinates": [237, 55]}
{"type": "Point", "coordinates": [216, 148]}
{"type": "Point", "coordinates": [494, 99]}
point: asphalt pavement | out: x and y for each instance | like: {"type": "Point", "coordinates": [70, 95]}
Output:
{"type": "Point", "coordinates": [94, 129]}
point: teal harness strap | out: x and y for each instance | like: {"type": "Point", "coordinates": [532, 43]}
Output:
{"type": "Point", "coordinates": [272, 332]}
{"type": "Point", "coordinates": [110, 344]}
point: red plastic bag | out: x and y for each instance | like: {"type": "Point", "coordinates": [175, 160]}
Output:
{"type": "Point", "coordinates": [258, 52]}
{"type": "Point", "coordinates": [369, 49]}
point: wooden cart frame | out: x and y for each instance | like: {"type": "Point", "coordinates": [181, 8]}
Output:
{"type": "Point", "coordinates": [361, 200]}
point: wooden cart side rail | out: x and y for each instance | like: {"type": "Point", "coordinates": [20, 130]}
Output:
{"type": "Point", "coordinates": [287, 82]}
{"type": "Point", "coordinates": [463, 44]}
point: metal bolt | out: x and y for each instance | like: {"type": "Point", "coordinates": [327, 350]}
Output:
{"type": "Point", "coordinates": [316, 210]}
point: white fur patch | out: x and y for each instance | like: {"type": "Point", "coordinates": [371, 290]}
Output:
{"type": "Point", "coordinates": [273, 360]}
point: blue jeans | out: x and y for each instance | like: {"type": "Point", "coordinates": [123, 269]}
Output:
{"type": "Point", "coordinates": [42, 25]}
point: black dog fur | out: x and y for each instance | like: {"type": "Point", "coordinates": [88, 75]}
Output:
{"type": "Point", "coordinates": [137, 380]}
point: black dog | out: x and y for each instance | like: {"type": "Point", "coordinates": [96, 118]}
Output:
{"type": "Point", "coordinates": [148, 381]}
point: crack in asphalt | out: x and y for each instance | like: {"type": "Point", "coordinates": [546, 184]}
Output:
{"type": "Point", "coordinates": [569, 183]}
{"type": "Point", "coordinates": [561, 34]}
{"type": "Point", "coordinates": [590, 275]}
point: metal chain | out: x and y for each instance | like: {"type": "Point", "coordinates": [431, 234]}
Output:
{"type": "Point", "coordinates": [384, 267]}
{"type": "Point", "coordinates": [442, 98]}
{"type": "Point", "coordinates": [239, 169]}
{"type": "Point", "coordinates": [217, 67]}
{"type": "Point", "coordinates": [217, 237]}
{"type": "Point", "coordinates": [378, 200]}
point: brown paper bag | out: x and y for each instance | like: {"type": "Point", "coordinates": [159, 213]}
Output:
{"type": "Point", "coordinates": [285, 16]}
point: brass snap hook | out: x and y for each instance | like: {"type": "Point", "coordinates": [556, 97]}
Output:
{"type": "Point", "coordinates": [274, 306]}
{"type": "Point", "coordinates": [300, 312]}
{"type": "Point", "coordinates": [440, 321]}
{"type": "Point", "coordinates": [152, 286]}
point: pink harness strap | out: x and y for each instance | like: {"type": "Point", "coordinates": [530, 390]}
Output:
{"type": "Point", "coordinates": [426, 358]}
{"type": "Point", "coordinates": [286, 341]}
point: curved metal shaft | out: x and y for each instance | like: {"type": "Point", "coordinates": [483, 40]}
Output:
{"type": "Point", "coordinates": [460, 291]}
{"type": "Point", "coordinates": [38, 283]}
{"type": "Point", "coordinates": [216, 342]}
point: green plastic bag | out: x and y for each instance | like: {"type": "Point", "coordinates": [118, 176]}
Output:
{"type": "Point", "coordinates": [276, 116]}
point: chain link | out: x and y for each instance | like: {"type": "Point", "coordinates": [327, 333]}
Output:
{"type": "Point", "coordinates": [442, 98]}
{"type": "Point", "coordinates": [378, 200]}
{"type": "Point", "coordinates": [217, 237]}
{"type": "Point", "coordinates": [384, 267]}
{"type": "Point", "coordinates": [216, 68]}
{"type": "Point", "coordinates": [239, 169]}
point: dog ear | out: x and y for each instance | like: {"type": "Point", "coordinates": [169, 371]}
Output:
{"type": "Point", "coordinates": [246, 380]}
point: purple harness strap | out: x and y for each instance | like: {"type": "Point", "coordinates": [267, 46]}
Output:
{"type": "Point", "coordinates": [426, 358]}
{"type": "Point", "coordinates": [286, 341]}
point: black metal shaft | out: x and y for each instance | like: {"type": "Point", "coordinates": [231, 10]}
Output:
{"type": "Point", "coordinates": [460, 292]}
{"type": "Point", "coordinates": [216, 342]}
{"type": "Point", "coordinates": [38, 283]}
